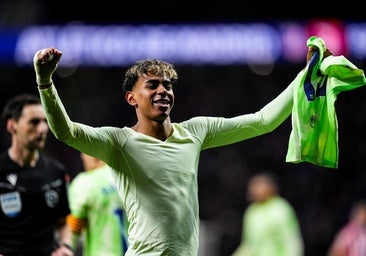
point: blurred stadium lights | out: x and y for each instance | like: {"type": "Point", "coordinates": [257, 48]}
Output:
{"type": "Point", "coordinates": [183, 44]}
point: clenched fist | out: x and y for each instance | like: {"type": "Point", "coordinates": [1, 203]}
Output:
{"type": "Point", "coordinates": [45, 63]}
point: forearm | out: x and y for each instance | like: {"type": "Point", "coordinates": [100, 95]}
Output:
{"type": "Point", "coordinates": [278, 110]}
{"type": "Point", "coordinates": [76, 226]}
{"type": "Point", "coordinates": [226, 131]}
{"type": "Point", "coordinates": [58, 120]}
{"type": "Point", "coordinates": [65, 235]}
{"type": "Point", "coordinates": [64, 239]}
{"type": "Point", "coordinates": [269, 117]}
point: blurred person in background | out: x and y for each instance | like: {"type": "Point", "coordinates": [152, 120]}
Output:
{"type": "Point", "coordinates": [155, 162]}
{"type": "Point", "coordinates": [33, 186]}
{"type": "Point", "coordinates": [350, 240]}
{"type": "Point", "coordinates": [270, 225]}
{"type": "Point", "coordinates": [97, 219]}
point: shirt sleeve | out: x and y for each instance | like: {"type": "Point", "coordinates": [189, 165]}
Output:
{"type": "Point", "coordinates": [95, 141]}
{"type": "Point", "coordinates": [219, 131]}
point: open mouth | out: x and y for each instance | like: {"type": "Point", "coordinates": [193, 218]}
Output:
{"type": "Point", "coordinates": [162, 102]}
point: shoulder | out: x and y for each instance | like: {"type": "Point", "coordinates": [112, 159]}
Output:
{"type": "Point", "coordinates": [4, 157]}
{"type": "Point", "coordinates": [4, 160]}
{"type": "Point", "coordinates": [279, 200]}
{"type": "Point", "coordinates": [200, 121]}
{"type": "Point", "coordinates": [4, 154]}
{"type": "Point", "coordinates": [283, 206]}
{"type": "Point", "coordinates": [80, 179]}
{"type": "Point", "coordinates": [50, 162]}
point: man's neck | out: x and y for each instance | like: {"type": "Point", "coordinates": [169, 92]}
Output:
{"type": "Point", "coordinates": [23, 157]}
{"type": "Point", "coordinates": [160, 131]}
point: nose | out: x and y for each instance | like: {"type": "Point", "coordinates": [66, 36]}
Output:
{"type": "Point", "coordinates": [42, 127]}
{"type": "Point", "coordinates": [161, 89]}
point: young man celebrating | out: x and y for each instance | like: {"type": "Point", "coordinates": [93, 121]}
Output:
{"type": "Point", "coordinates": [155, 162]}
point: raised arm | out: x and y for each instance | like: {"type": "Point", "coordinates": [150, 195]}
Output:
{"type": "Point", "coordinates": [45, 64]}
{"type": "Point", "coordinates": [82, 137]}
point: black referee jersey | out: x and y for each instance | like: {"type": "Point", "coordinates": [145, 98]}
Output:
{"type": "Point", "coordinates": [32, 200]}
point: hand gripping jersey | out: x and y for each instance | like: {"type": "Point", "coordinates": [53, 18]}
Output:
{"type": "Point", "coordinates": [314, 135]}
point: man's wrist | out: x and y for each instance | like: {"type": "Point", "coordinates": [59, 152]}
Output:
{"type": "Point", "coordinates": [68, 246]}
{"type": "Point", "coordinates": [44, 86]}
{"type": "Point", "coordinates": [43, 80]}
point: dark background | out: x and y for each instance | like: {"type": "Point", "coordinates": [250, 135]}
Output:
{"type": "Point", "coordinates": [320, 196]}
{"type": "Point", "coordinates": [21, 12]}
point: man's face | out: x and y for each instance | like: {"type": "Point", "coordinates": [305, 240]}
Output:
{"type": "Point", "coordinates": [31, 130]}
{"type": "Point", "coordinates": [260, 189]}
{"type": "Point", "coordinates": [152, 97]}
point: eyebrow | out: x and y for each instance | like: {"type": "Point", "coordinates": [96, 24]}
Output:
{"type": "Point", "coordinates": [157, 80]}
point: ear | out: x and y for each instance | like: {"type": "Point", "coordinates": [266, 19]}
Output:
{"type": "Point", "coordinates": [130, 98]}
{"type": "Point", "coordinates": [10, 126]}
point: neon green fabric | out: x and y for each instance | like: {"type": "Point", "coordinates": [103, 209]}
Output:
{"type": "Point", "coordinates": [271, 228]}
{"type": "Point", "coordinates": [94, 198]}
{"type": "Point", "coordinates": [157, 180]}
{"type": "Point", "coordinates": [314, 135]}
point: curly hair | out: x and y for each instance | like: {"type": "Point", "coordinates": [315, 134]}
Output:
{"type": "Point", "coordinates": [149, 66]}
